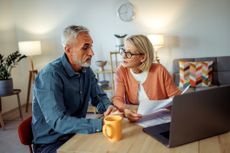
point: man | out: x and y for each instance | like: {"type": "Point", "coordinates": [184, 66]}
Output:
{"type": "Point", "coordinates": [62, 91]}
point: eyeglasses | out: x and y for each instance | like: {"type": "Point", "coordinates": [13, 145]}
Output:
{"type": "Point", "coordinates": [128, 54]}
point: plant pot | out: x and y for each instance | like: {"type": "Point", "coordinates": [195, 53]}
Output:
{"type": "Point", "coordinates": [6, 87]}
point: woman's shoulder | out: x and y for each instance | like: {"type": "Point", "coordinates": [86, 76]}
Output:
{"type": "Point", "coordinates": [122, 72]}
{"type": "Point", "coordinates": [121, 68]}
{"type": "Point", "coordinates": [157, 67]}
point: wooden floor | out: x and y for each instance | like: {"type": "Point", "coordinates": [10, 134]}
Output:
{"type": "Point", "coordinates": [9, 141]}
{"type": "Point", "coordinates": [14, 115]}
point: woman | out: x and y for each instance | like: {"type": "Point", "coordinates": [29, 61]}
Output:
{"type": "Point", "coordinates": [138, 78]}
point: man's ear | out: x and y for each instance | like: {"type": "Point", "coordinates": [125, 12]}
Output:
{"type": "Point", "coordinates": [67, 48]}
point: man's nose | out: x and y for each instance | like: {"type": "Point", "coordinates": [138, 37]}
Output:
{"type": "Point", "coordinates": [91, 53]}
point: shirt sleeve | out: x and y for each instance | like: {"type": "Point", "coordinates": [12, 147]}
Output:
{"type": "Point", "coordinates": [118, 98]}
{"type": "Point", "coordinates": [48, 91]}
{"type": "Point", "coordinates": [99, 97]}
{"type": "Point", "coordinates": [170, 86]}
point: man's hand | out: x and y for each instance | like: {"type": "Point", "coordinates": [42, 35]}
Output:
{"type": "Point", "coordinates": [132, 115]}
{"type": "Point", "coordinates": [111, 110]}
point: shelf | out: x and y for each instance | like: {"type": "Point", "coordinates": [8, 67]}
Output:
{"type": "Point", "coordinates": [103, 72]}
{"type": "Point", "coordinates": [108, 89]}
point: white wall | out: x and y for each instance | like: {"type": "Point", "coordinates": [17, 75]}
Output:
{"type": "Point", "coordinates": [8, 44]}
{"type": "Point", "coordinates": [193, 28]}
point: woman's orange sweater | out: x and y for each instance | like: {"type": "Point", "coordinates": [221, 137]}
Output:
{"type": "Point", "coordinates": [158, 85]}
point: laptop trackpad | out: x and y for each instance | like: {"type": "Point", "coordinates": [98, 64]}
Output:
{"type": "Point", "coordinates": [159, 132]}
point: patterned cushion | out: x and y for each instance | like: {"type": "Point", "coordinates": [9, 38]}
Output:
{"type": "Point", "coordinates": [197, 74]}
{"type": "Point", "coordinates": [207, 73]}
{"type": "Point", "coordinates": [184, 74]}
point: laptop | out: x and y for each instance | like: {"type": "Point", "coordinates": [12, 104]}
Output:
{"type": "Point", "coordinates": [195, 116]}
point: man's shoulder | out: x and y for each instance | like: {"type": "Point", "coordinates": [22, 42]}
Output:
{"type": "Point", "coordinates": [54, 66]}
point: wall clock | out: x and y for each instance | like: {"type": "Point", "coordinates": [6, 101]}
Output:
{"type": "Point", "coordinates": [126, 12]}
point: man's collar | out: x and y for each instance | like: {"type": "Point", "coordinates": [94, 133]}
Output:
{"type": "Point", "coordinates": [70, 71]}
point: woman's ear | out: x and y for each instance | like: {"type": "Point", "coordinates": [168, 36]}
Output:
{"type": "Point", "coordinates": [143, 58]}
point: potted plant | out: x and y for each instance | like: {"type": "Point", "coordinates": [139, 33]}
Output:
{"type": "Point", "coordinates": [6, 65]}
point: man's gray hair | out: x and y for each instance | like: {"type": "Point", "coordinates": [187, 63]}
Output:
{"type": "Point", "coordinates": [71, 32]}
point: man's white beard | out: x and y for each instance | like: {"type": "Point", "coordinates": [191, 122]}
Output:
{"type": "Point", "coordinates": [85, 64]}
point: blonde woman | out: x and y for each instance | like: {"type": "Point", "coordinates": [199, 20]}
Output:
{"type": "Point", "coordinates": [138, 78]}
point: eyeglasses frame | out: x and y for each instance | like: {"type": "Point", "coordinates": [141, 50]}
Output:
{"type": "Point", "coordinates": [128, 55]}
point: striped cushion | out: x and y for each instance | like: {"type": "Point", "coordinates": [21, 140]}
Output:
{"type": "Point", "coordinates": [197, 74]}
{"type": "Point", "coordinates": [207, 73]}
{"type": "Point", "coordinates": [184, 73]}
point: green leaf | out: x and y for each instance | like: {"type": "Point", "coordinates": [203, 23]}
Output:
{"type": "Point", "coordinates": [6, 64]}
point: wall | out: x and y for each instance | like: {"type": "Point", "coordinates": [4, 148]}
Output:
{"type": "Point", "coordinates": [8, 44]}
{"type": "Point", "coordinates": [193, 28]}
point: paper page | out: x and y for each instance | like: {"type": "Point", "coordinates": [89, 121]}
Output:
{"type": "Point", "coordinates": [185, 89]}
{"type": "Point", "coordinates": [154, 112]}
{"type": "Point", "coordinates": [159, 117]}
{"type": "Point", "coordinates": [150, 106]}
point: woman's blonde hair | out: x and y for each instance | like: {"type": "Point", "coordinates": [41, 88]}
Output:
{"type": "Point", "coordinates": [144, 46]}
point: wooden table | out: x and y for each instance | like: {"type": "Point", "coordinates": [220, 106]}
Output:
{"type": "Point", "coordinates": [136, 141]}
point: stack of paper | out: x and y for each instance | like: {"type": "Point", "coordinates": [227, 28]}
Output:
{"type": "Point", "coordinates": [154, 112]}
{"type": "Point", "coordinates": [149, 107]}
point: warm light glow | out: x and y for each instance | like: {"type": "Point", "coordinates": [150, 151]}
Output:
{"type": "Point", "coordinates": [30, 48]}
{"type": "Point", "coordinates": [157, 40]}
{"type": "Point", "coordinates": [159, 16]}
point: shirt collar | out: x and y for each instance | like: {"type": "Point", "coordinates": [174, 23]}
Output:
{"type": "Point", "coordinates": [70, 71]}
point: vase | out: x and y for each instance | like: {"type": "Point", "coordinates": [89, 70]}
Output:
{"type": "Point", "coordinates": [6, 87]}
{"type": "Point", "coordinates": [119, 43]}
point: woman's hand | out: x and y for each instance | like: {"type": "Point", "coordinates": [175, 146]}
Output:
{"type": "Point", "coordinates": [132, 115]}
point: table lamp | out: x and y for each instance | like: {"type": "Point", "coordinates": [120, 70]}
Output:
{"type": "Point", "coordinates": [157, 41]}
{"type": "Point", "coordinates": [30, 48]}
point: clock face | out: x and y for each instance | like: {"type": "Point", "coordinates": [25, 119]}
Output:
{"type": "Point", "coordinates": [126, 12]}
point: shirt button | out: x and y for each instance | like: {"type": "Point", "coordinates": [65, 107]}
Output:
{"type": "Point", "coordinates": [80, 92]}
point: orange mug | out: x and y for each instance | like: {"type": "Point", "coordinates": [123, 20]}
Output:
{"type": "Point", "coordinates": [112, 128]}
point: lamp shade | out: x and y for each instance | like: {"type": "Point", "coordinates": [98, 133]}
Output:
{"type": "Point", "coordinates": [157, 40]}
{"type": "Point", "coordinates": [30, 48]}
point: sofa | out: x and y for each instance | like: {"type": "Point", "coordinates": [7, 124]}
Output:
{"type": "Point", "coordinates": [221, 70]}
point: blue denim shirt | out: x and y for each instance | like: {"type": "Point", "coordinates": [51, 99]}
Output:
{"type": "Point", "coordinates": [60, 101]}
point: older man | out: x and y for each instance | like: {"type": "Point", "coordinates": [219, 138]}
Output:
{"type": "Point", "coordinates": [62, 91]}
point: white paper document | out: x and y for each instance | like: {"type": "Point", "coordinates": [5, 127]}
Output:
{"type": "Point", "coordinates": [148, 107]}
{"type": "Point", "coordinates": [154, 112]}
{"type": "Point", "coordinates": [159, 117]}
{"type": "Point", "coordinates": [185, 89]}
